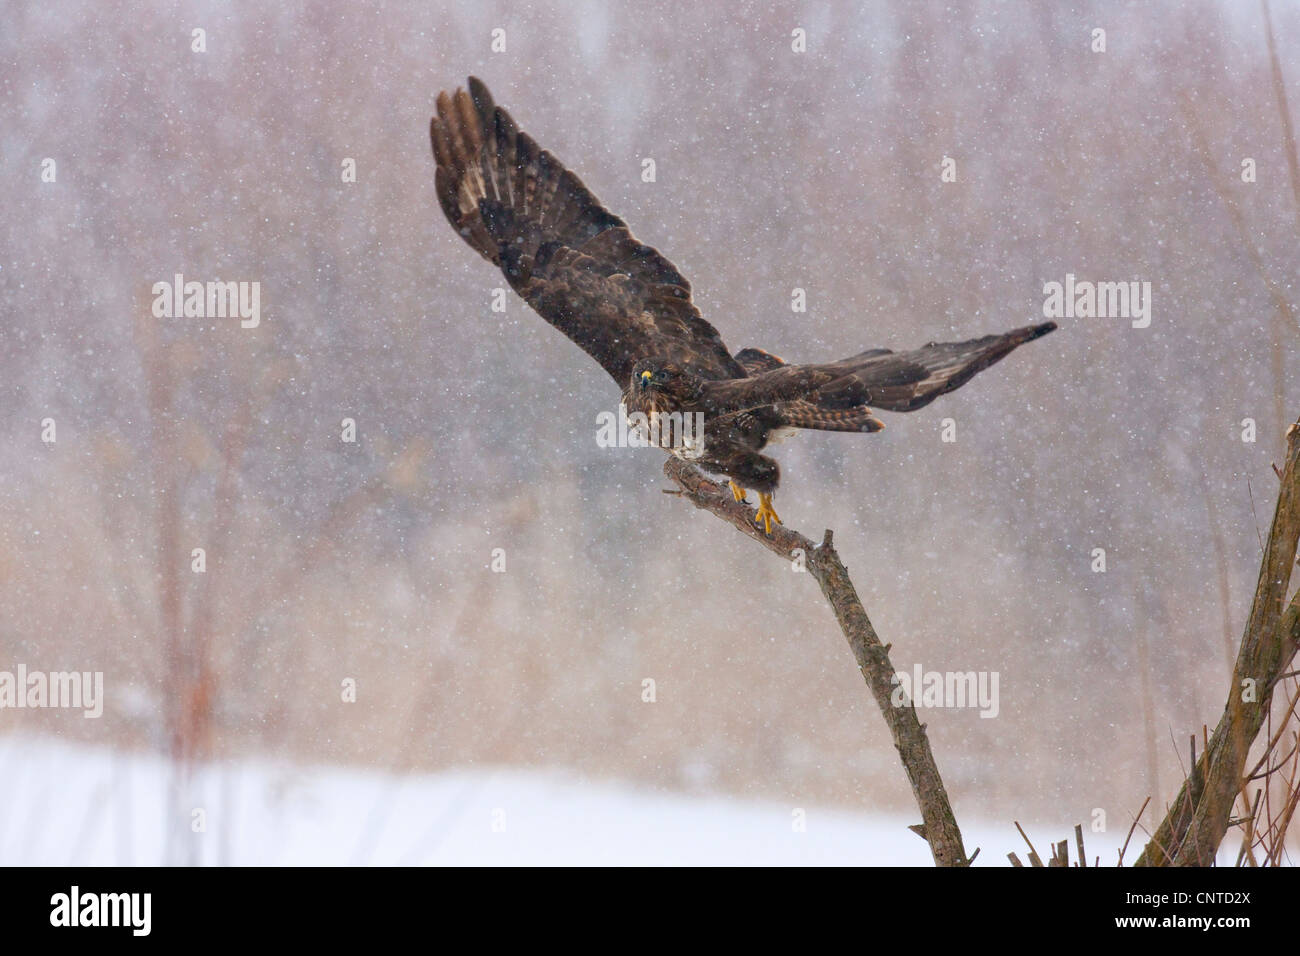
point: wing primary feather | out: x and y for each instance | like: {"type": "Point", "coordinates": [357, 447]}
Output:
{"type": "Point", "coordinates": [573, 261]}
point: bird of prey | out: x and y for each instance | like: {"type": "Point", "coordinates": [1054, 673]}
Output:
{"type": "Point", "coordinates": [579, 266]}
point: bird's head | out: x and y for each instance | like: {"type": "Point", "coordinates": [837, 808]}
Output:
{"type": "Point", "coordinates": [656, 374]}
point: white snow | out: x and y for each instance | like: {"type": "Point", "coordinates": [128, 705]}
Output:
{"type": "Point", "coordinates": [64, 803]}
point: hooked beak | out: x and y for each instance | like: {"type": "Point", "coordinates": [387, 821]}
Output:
{"type": "Point", "coordinates": [645, 379]}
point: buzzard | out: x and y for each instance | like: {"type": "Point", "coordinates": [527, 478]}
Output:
{"type": "Point", "coordinates": [579, 266]}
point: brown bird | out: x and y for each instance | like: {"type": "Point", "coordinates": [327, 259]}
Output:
{"type": "Point", "coordinates": [581, 269]}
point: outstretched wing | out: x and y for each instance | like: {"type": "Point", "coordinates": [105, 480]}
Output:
{"type": "Point", "coordinates": [573, 261]}
{"type": "Point", "coordinates": [905, 381]}
{"type": "Point", "coordinates": [839, 396]}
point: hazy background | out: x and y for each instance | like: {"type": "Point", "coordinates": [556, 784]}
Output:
{"type": "Point", "coordinates": [476, 430]}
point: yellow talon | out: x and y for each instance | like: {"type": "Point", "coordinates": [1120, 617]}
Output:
{"type": "Point", "coordinates": [737, 492]}
{"type": "Point", "coordinates": [766, 514]}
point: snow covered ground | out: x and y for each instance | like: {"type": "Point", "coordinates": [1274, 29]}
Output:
{"type": "Point", "coordinates": [63, 803]}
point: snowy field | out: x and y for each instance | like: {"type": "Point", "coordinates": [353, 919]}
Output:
{"type": "Point", "coordinates": [70, 804]}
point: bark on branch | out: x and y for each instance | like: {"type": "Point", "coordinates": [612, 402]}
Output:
{"type": "Point", "coordinates": [940, 826]}
{"type": "Point", "coordinates": [1198, 819]}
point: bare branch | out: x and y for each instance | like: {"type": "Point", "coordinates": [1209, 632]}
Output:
{"type": "Point", "coordinates": [940, 825]}
{"type": "Point", "coordinates": [1199, 816]}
